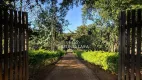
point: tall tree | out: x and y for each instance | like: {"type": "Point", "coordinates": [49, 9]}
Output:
{"type": "Point", "coordinates": [49, 25]}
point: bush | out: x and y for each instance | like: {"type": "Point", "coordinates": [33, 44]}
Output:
{"type": "Point", "coordinates": [106, 60]}
{"type": "Point", "coordinates": [39, 59]}
{"type": "Point", "coordinates": [78, 53]}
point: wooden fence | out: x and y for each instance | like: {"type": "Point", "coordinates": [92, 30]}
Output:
{"type": "Point", "coordinates": [13, 45]}
{"type": "Point", "coordinates": [130, 59]}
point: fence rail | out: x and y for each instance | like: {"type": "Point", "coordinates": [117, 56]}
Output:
{"type": "Point", "coordinates": [130, 60]}
{"type": "Point", "coordinates": [13, 45]}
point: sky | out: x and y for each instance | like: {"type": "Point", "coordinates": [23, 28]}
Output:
{"type": "Point", "coordinates": [74, 16]}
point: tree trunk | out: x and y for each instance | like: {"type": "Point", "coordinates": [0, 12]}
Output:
{"type": "Point", "coordinates": [21, 4]}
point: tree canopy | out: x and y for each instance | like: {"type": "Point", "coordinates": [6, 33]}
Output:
{"type": "Point", "coordinates": [50, 20]}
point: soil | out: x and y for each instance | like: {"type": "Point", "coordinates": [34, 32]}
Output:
{"type": "Point", "coordinates": [99, 72]}
{"type": "Point", "coordinates": [71, 68]}
{"type": "Point", "coordinates": [42, 72]}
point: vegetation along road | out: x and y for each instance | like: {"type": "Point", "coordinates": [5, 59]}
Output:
{"type": "Point", "coordinates": [70, 68]}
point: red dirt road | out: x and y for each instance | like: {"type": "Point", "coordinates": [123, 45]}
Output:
{"type": "Point", "coordinates": [70, 68]}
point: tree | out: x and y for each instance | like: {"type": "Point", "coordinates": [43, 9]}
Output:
{"type": "Point", "coordinates": [49, 26]}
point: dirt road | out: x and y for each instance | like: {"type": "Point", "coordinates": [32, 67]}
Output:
{"type": "Point", "coordinates": [70, 68]}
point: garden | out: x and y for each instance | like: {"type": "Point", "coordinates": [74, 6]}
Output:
{"type": "Point", "coordinates": [95, 41]}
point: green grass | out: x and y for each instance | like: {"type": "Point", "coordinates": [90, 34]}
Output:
{"type": "Point", "coordinates": [106, 60]}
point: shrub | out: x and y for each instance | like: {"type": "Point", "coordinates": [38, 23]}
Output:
{"type": "Point", "coordinates": [106, 60]}
{"type": "Point", "coordinates": [39, 59]}
{"type": "Point", "coordinates": [78, 53]}
{"type": "Point", "coordinates": [40, 56]}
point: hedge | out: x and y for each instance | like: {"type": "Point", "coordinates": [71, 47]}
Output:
{"type": "Point", "coordinates": [40, 59]}
{"type": "Point", "coordinates": [106, 60]}
{"type": "Point", "coordinates": [41, 56]}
